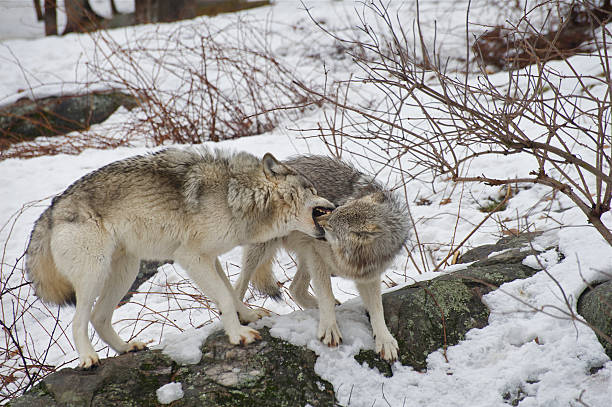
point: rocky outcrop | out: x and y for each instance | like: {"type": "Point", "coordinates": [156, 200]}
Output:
{"type": "Point", "coordinates": [27, 119]}
{"type": "Point", "coordinates": [270, 372]}
{"type": "Point", "coordinates": [438, 313]}
{"type": "Point", "coordinates": [423, 317]}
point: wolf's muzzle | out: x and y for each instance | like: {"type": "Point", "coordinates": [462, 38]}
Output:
{"type": "Point", "coordinates": [320, 215]}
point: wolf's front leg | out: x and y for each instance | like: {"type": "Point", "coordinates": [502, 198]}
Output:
{"type": "Point", "coordinates": [328, 331]}
{"type": "Point", "coordinates": [245, 315]}
{"type": "Point", "coordinates": [202, 270]}
{"type": "Point", "coordinates": [385, 343]}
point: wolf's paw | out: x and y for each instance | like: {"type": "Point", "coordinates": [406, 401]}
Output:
{"type": "Point", "coordinates": [247, 315]}
{"type": "Point", "coordinates": [135, 346]}
{"type": "Point", "coordinates": [89, 361]}
{"type": "Point", "coordinates": [244, 336]}
{"type": "Point", "coordinates": [387, 347]}
{"type": "Point", "coordinates": [330, 335]}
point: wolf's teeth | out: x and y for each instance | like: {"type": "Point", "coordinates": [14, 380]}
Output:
{"type": "Point", "coordinates": [320, 211]}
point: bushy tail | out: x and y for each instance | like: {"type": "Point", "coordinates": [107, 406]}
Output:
{"type": "Point", "coordinates": [265, 282]}
{"type": "Point", "coordinates": [49, 284]}
{"type": "Point", "coordinates": [259, 257]}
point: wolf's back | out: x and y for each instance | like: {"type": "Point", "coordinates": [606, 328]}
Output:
{"type": "Point", "coordinates": [49, 284]}
{"type": "Point", "coordinates": [334, 180]}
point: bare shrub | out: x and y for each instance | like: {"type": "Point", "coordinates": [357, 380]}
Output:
{"type": "Point", "coordinates": [192, 82]}
{"type": "Point", "coordinates": [199, 83]}
{"type": "Point", "coordinates": [432, 121]}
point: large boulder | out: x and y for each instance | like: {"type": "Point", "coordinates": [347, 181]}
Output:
{"type": "Point", "coordinates": [27, 119]}
{"type": "Point", "coordinates": [438, 313]}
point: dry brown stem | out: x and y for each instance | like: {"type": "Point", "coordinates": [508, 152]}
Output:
{"type": "Point", "coordinates": [437, 122]}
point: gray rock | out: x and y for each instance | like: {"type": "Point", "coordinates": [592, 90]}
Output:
{"type": "Point", "coordinates": [27, 119]}
{"type": "Point", "coordinates": [148, 268]}
{"type": "Point", "coordinates": [595, 305]}
{"type": "Point", "coordinates": [434, 314]}
{"type": "Point", "coordinates": [510, 242]}
{"type": "Point", "coordinates": [271, 372]}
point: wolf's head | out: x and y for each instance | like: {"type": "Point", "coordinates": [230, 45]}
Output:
{"type": "Point", "coordinates": [272, 198]}
{"type": "Point", "coordinates": [366, 233]}
{"type": "Point", "coordinates": [298, 202]}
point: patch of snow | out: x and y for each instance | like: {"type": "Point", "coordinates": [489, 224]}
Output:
{"type": "Point", "coordinates": [184, 347]}
{"type": "Point", "coordinates": [170, 392]}
{"type": "Point", "coordinates": [543, 260]}
{"type": "Point", "coordinates": [493, 254]}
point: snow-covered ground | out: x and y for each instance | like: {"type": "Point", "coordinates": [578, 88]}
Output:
{"type": "Point", "coordinates": [502, 358]}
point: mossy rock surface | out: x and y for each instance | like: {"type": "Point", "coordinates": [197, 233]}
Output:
{"type": "Point", "coordinates": [270, 372]}
{"type": "Point", "coordinates": [435, 314]}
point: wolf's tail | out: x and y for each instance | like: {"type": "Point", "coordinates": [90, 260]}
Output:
{"type": "Point", "coordinates": [49, 284]}
{"type": "Point", "coordinates": [264, 281]}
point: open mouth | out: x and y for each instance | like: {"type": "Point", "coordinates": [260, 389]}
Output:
{"type": "Point", "coordinates": [321, 213]}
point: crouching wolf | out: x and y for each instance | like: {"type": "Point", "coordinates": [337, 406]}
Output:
{"type": "Point", "coordinates": [186, 205]}
{"type": "Point", "coordinates": [363, 235]}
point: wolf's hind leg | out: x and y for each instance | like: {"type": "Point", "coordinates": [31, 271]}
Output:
{"type": "Point", "coordinates": [202, 270]}
{"type": "Point", "coordinates": [299, 287]}
{"type": "Point", "coordinates": [85, 296]}
{"type": "Point", "coordinates": [85, 261]}
{"type": "Point", "coordinates": [245, 314]}
{"type": "Point", "coordinates": [385, 343]}
{"type": "Point", "coordinates": [124, 268]}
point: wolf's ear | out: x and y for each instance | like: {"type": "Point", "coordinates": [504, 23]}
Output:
{"type": "Point", "coordinates": [274, 168]}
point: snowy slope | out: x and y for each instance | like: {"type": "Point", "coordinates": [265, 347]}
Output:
{"type": "Point", "coordinates": [500, 358]}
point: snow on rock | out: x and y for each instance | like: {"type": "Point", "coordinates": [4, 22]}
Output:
{"type": "Point", "coordinates": [170, 392]}
{"type": "Point", "coordinates": [184, 347]}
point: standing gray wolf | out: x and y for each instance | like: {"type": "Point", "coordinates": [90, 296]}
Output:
{"type": "Point", "coordinates": [186, 205]}
{"type": "Point", "coordinates": [363, 235]}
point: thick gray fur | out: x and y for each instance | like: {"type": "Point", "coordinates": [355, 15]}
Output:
{"type": "Point", "coordinates": [369, 227]}
{"type": "Point", "coordinates": [189, 205]}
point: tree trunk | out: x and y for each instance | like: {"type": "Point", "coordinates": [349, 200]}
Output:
{"type": "Point", "coordinates": [50, 17]}
{"type": "Point", "coordinates": [174, 10]}
{"type": "Point", "coordinates": [39, 13]}
{"type": "Point", "coordinates": [145, 10]}
{"type": "Point", "coordinates": [80, 17]}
